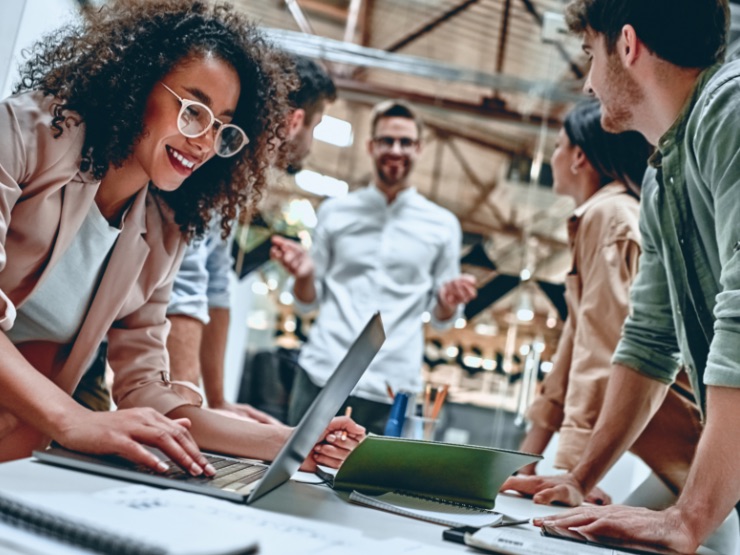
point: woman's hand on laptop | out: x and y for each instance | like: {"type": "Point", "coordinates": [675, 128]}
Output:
{"type": "Point", "coordinates": [338, 440]}
{"type": "Point", "coordinates": [125, 432]}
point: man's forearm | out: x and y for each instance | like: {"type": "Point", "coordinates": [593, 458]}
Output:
{"type": "Point", "coordinates": [631, 401]}
{"type": "Point", "coordinates": [304, 289]}
{"type": "Point", "coordinates": [212, 355]}
{"type": "Point", "coordinates": [713, 486]}
{"type": "Point", "coordinates": [183, 346]}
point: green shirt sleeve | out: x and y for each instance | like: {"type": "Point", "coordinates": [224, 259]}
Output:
{"type": "Point", "coordinates": [648, 344]}
{"type": "Point", "coordinates": [714, 127]}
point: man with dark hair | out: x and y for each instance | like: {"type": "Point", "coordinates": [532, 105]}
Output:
{"type": "Point", "coordinates": [383, 247]}
{"type": "Point", "coordinates": [199, 306]}
{"type": "Point", "coordinates": [316, 90]}
{"type": "Point", "coordinates": [655, 69]}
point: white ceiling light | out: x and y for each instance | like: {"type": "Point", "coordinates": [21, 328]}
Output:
{"type": "Point", "coordinates": [320, 184]}
{"type": "Point", "coordinates": [334, 131]}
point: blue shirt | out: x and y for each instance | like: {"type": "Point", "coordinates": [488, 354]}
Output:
{"type": "Point", "coordinates": [203, 279]}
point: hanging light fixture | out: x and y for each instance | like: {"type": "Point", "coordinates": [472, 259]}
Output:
{"type": "Point", "coordinates": [525, 308]}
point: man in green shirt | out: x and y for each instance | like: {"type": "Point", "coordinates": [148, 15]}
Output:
{"type": "Point", "coordinates": [653, 67]}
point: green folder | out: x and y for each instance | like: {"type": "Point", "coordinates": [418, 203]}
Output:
{"type": "Point", "coordinates": [466, 474]}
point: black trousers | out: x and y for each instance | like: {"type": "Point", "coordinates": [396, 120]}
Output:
{"type": "Point", "coordinates": [370, 414]}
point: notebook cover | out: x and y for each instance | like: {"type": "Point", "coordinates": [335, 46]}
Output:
{"type": "Point", "coordinates": [461, 473]}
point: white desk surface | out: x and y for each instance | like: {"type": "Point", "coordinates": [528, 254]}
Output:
{"type": "Point", "coordinates": [313, 502]}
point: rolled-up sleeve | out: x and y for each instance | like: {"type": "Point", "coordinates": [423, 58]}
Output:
{"type": "Point", "coordinates": [218, 265]}
{"type": "Point", "coordinates": [546, 411]}
{"type": "Point", "coordinates": [190, 289]}
{"type": "Point", "coordinates": [321, 256]}
{"type": "Point", "coordinates": [719, 167]}
{"type": "Point", "coordinates": [648, 343]}
{"type": "Point", "coordinates": [446, 267]}
{"type": "Point", "coordinates": [138, 356]}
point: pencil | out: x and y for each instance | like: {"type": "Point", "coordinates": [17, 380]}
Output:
{"type": "Point", "coordinates": [425, 411]}
{"type": "Point", "coordinates": [389, 389]}
{"type": "Point", "coordinates": [438, 400]}
{"type": "Point", "coordinates": [348, 414]}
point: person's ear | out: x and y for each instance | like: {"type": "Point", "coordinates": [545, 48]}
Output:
{"type": "Point", "coordinates": [296, 120]}
{"type": "Point", "coordinates": [628, 46]}
{"type": "Point", "coordinates": [579, 160]}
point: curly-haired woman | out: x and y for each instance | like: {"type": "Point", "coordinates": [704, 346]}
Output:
{"type": "Point", "coordinates": [125, 136]}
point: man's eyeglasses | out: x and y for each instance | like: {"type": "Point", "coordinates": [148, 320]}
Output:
{"type": "Point", "coordinates": [387, 143]}
{"type": "Point", "coordinates": [196, 119]}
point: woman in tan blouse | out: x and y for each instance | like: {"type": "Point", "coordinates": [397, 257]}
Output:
{"type": "Point", "coordinates": [602, 172]}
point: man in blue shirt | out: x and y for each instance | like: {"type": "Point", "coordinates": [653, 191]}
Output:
{"type": "Point", "coordinates": [654, 67]}
{"type": "Point", "coordinates": [383, 247]}
{"type": "Point", "coordinates": [199, 306]}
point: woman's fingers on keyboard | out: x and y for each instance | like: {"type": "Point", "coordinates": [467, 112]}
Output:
{"type": "Point", "coordinates": [174, 440]}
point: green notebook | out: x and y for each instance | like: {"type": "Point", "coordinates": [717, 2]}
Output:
{"type": "Point", "coordinates": [465, 474]}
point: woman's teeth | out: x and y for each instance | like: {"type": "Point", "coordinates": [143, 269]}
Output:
{"type": "Point", "coordinates": [180, 158]}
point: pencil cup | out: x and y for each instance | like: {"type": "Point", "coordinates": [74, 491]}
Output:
{"type": "Point", "coordinates": [420, 427]}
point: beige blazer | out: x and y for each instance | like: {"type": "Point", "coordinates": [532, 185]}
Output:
{"type": "Point", "coordinates": [605, 241]}
{"type": "Point", "coordinates": [44, 198]}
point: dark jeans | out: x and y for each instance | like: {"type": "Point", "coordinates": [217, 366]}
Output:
{"type": "Point", "coordinates": [369, 414]}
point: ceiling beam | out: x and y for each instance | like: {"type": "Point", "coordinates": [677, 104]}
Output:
{"type": "Point", "coordinates": [300, 18]}
{"type": "Point", "coordinates": [366, 21]}
{"type": "Point", "coordinates": [574, 68]}
{"type": "Point", "coordinates": [503, 37]}
{"type": "Point", "coordinates": [492, 110]}
{"type": "Point", "coordinates": [353, 16]}
{"type": "Point", "coordinates": [484, 190]}
{"type": "Point", "coordinates": [326, 10]}
{"type": "Point", "coordinates": [430, 25]}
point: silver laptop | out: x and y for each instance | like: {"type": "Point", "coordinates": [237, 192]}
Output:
{"type": "Point", "coordinates": [238, 479]}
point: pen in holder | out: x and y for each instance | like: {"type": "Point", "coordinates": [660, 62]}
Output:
{"type": "Point", "coordinates": [398, 415]}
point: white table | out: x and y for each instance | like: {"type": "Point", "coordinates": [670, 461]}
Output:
{"type": "Point", "coordinates": [313, 502]}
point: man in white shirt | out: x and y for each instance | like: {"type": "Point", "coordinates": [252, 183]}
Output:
{"type": "Point", "coordinates": [383, 247]}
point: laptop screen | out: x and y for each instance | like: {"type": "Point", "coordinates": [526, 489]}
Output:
{"type": "Point", "coordinates": [323, 408]}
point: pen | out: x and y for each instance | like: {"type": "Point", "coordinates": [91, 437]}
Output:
{"type": "Point", "coordinates": [511, 523]}
{"type": "Point", "coordinates": [348, 414]}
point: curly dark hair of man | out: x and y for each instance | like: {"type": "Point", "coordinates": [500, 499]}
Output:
{"type": "Point", "coordinates": [103, 70]}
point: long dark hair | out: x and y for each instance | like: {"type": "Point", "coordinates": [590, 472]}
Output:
{"type": "Point", "coordinates": [617, 157]}
{"type": "Point", "coordinates": [102, 70]}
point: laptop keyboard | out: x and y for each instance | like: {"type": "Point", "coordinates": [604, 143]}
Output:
{"type": "Point", "coordinates": [231, 475]}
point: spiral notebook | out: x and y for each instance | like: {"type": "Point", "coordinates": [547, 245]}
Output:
{"type": "Point", "coordinates": [108, 528]}
{"type": "Point", "coordinates": [438, 511]}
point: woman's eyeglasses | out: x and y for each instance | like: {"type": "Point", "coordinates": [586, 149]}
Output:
{"type": "Point", "coordinates": [196, 119]}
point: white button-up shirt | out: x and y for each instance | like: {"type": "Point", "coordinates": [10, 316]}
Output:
{"type": "Point", "coordinates": [370, 255]}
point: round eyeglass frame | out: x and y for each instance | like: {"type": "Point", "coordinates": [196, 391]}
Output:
{"type": "Point", "coordinates": [185, 103]}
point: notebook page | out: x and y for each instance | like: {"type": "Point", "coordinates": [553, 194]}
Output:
{"type": "Point", "coordinates": [438, 512]}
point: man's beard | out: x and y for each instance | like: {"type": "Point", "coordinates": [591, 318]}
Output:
{"type": "Point", "coordinates": [624, 93]}
{"type": "Point", "coordinates": [397, 178]}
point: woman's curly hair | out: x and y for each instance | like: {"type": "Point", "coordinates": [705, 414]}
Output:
{"type": "Point", "coordinates": [102, 72]}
